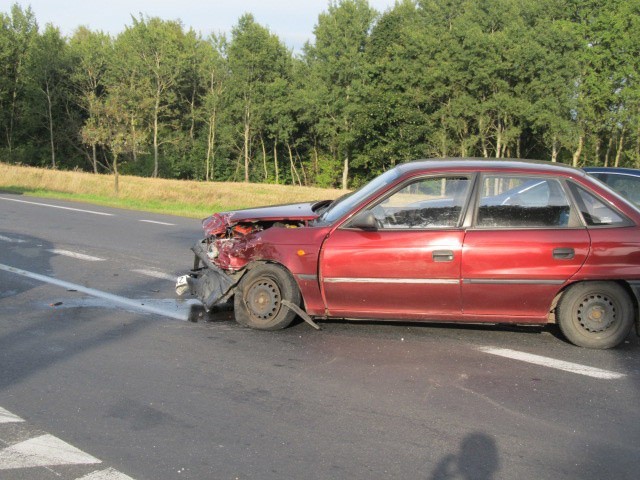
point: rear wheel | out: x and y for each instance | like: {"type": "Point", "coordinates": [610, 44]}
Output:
{"type": "Point", "coordinates": [258, 298]}
{"type": "Point", "coordinates": [595, 314]}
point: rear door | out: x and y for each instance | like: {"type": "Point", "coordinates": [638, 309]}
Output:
{"type": "Point", "coordinates": [527, 240]}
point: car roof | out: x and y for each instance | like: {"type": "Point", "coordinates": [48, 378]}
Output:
{"type": "Point", "coordinates": [628, 171]}
{"type": "Point", "coordinates": [489, 164]}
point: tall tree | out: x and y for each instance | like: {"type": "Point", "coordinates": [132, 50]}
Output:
{"type": "Point", "coordinates": [17, 34]}
{"type": "Point", "coordinates": [49, 72]}
{"type": "Point", "coordinates": [91, 54]}
{"type": "Point", "coordinates": [337, 59]}
{"type": "Point", "coordinates": [256, 59]}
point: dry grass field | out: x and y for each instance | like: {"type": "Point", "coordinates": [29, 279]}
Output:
{"type": "Point", "coordinates": [178, 197]}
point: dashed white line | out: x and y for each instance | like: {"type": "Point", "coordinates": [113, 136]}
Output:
{"type": "Point", "coordinates": [79, 256]}
{"type": "Point", "coordinates": [57, 206]}
{"type": "Point", "coordinates": [11, 240]}
{"type": "Point", "coordinates": [156, 274]}
{"type": "Point", "coordinates": [123, 301]}
{"type": "Point", "coordinates": [158, 223]}
{"type": "Point", "coordinates": [553, 363]}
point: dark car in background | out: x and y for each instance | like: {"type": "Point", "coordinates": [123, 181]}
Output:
{"type": "Point", "coordinates": [451, 240]}
{"type": "Point", "coordinates": [625, 181]}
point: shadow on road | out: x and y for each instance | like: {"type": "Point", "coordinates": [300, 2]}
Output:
{"type": "Point", "coordinates": [477, 459]}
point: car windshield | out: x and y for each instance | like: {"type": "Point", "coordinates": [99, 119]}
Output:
{"type": "Point", "coordinates": [347, 202]}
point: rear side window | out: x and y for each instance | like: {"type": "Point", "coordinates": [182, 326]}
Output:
{"type": "Point", "coordinates": [595, 212]}
{"type": "Point", "coordinates": [523, 202]}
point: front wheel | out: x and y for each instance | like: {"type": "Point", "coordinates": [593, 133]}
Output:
{"type": "Point", "coordinates": [258, 298]}
{"type": "Point", "coordinates": [595, 314]}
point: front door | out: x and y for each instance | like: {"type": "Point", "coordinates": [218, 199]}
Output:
{"type": "Point", "coordinates": [409, 266]}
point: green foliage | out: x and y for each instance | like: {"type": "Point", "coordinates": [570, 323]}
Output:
{"type": "Point", "coordinates": [551, 79]}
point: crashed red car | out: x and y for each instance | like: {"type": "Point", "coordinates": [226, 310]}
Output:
{"type": "Point", "coordinates": [454, 240]}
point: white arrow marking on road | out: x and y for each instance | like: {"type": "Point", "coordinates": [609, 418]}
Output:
{"type": "Point", "coordinates": [108, 474]}
{"type": "Point", "coordinates": [7, 417]}
{"type": "Point", "coordinates": [79, 256]}
{"type": "Point", "coordinates": [45, 450]}
{"type": "Point", "coordinates": [553, 363]}
{"type": "Point", "coordinates": [56, 206]}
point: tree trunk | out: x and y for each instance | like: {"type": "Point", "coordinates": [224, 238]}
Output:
{"type": "Point", "coordinates": [247, 133]}
{"type": "Point", "coordinates": [620, 145]}
{"type": "Point", "coordinates": [211, 142]}
{"type": "Point", "coordinates": [50, 113]}
{"type": "Point", "coordinates": [134, 150]}
{"type": "Point", "coordinates": [345, 173]}
{"type": "Point", "coordinates": [156, 113]}
{"type": "Point", "coordinates": [578, 151]}
{"type": "Point", "coordinates": [554, 149]}
{"type": "Point", "coordinates": [275, 161]}
{"type": "Point", "coordinates": [608, 152]}
{"type": "Point", "coordinates": [116, 175]}
{"type": "Point", "coordinates": [294, 172]}
{"type": "Point", "coordinates": [94, 158]}
{"type": "Point", "coordinates": [264, 158]}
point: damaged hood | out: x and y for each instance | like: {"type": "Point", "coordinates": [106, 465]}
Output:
{"type": "Point", "coordinates": [219, 222]}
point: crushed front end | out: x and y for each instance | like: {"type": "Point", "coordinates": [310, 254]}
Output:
{"type": "Point", "coordinates": [231, 242]}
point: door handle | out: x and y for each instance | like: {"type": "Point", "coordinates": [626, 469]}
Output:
{"type": "Point", "coordinates": [442, 255]}
{"type": "Point", "coordinates": [564, 253]}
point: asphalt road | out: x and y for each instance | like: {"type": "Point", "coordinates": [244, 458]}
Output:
{"type": "Point", "coordinates": [102, 377]}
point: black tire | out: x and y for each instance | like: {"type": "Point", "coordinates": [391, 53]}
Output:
{"type": "Point", "coordinates": [258, 299]}
{"type": "Point", "coordinates": [595, 314]}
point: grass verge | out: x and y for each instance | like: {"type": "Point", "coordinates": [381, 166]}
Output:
{"type": "Point", "coordinates": [173, 197]}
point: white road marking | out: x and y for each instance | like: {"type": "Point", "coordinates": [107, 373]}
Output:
{"type": "Point", "coordinates": [7, 417]}
{"type": "Point", "coordinates": [79, 256]}
{"type": "Point", "coordinates": [156, 274]}
{"type": "Point", "coordinates": [11, 240]}
{"type": "Point", "coordinates": [57, 206]}
{"type": "Point", "coordinates": [45, 450]}
{"type": "Point", "coordinates": [158, 223]}
{"type": "Point", "coordinates": [553, 363]}
{"type": "Point", "coordinates": [108, 474]}
{"type": "Point", "coordinates": [123, 301]}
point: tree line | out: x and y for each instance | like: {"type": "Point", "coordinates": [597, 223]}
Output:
{"type": "Point", "coordinates": [547, 79]}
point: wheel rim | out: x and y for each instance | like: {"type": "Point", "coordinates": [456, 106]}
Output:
{"type": "Point", "coordinates": [263, 299]}
{"type": "Point", "coordinates": [596, 313]}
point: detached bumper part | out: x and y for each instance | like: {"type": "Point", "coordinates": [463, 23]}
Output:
{"type": "Point", "coordinates": [210, 285]}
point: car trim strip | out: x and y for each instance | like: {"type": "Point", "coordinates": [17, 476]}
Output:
{"type": "Point", "coordinates": [522, 281]}
{"type": "Point", "coordinates": [429, 281]}
{"type": "Point", "coordinates": [304, 276]}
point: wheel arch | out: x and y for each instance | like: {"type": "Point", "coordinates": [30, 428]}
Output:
{"type": "Point", "coordinates": [632, 288]}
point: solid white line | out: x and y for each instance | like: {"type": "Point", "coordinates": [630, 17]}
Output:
{"type": "Point", "coordinates": [7, 417]}
{"type": "Point", "coordinates": [79, 256]}
{"type": "Point", "coordinates": [11, 240]}
{"type": "Point", "coordinates": [553, 363]}
{"type": "Point", "coordinates": [126, 302]}
{"type": "Point", "coordinates": [45, 450]}
{"type": "Point", "coordinates": [108, 474]}
{"type": "Point", "coordinates": [156, 274]}
{"type": "Point", "coordinates": [56, 206]}
{"type": "Point", "coordinates": [158, 223]}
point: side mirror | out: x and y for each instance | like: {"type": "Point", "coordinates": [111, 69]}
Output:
{"type": "Point", "coordinates": [364, 221]}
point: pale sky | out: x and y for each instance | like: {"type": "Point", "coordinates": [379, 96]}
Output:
{"type": "Point", "coordinates": [291, 20]}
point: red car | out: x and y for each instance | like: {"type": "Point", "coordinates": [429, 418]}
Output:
{"type": "Point", "coordinates": [455, 240]}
